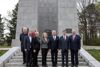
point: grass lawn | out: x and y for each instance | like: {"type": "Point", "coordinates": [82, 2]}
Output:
{"type": "Point", "coordinates": [95, 53]}
{"type": "Point", "coordinates": [2, 52]}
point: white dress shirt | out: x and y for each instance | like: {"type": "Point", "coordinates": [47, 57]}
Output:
{"type": "Point", "coordinates": [74, 37]}
{"type": "Point", "coordinates": [30, 38]}
{"type": "Point", "coordinates": [54, 37]}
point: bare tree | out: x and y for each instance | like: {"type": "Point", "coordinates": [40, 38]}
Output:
{"type": "Point", "coordinates": [87, 19]}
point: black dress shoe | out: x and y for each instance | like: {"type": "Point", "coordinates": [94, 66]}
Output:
{"type": "Point", "coordinates": [37, 66]}
{"type": "Point", "coordinates": [62, 65]}
{"type": "Point", "coordinates": [23, 62]}
{"type": "Point", "coordinates": [76, 65]}
{"type": "Point", "coordinates": [43, 65]}
{"type": "Point", "coordinates": [72, 65]}
{"type": "Point", "coordinates": [54, 66]}
{"type": "Point", "coordinates": [67, 66]}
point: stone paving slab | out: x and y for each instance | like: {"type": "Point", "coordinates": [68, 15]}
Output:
{"type": "Point", "coordinates": [5, 48]}
{"type": "Point", "coordinates": [92, 47]}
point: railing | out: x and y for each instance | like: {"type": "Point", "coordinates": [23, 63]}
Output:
{"type": "Point", "coordinates": [89, 59]}
{"type": "Point", "coordinates": [8, 55]}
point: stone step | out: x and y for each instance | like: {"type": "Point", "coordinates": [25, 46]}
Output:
{"type": "Point", "coordinates": [39, 60]}
{"type": "Point", "coordinates": [40, 64]}
{"type": "Point", "coordinates": [49, 58]}
{"type": "Point", "coordinates": [41, 55]}
{"type": "Point", "coordinates": [17, 61]}
{"type": "Point", "coordinates": [49, 53]}
{"type": "Point", "coordinates": [20, 54]}
{"type": "Point", "coordinates": [16, 57]}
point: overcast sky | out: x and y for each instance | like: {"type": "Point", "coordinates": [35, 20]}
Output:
{"type": "Point", "coordinates": [7, 5]}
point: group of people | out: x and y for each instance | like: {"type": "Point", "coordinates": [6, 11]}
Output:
{"type": "Point", "coordinates": [32, 43]}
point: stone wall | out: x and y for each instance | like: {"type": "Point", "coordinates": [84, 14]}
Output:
{"type": "Point", "coordinates": [47, 15]}
{"type": "Point", "coordinates": [67, 15]}
{"type": "Point", "coordinates": [27, 15]}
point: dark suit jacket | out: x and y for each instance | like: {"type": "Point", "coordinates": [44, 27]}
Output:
{"type": "Point", "coordinates": [27, 43]}
{"type": "Point", "coordinates": [64, 44]}
{"type": "Point", "coordinates": [22, 37]}
{"type": "Point", "coordinates": [53, 44]}
{"type": "Point", "coordinates": [37, 42]}
{"type": "Point", "coordinates": [76, 43]}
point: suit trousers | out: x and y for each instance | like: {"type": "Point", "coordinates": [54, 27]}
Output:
{"type": "Point", "coordinates": [24, 57]}
{"type": "Point", "coordinates": [74, 57]}
{"type": "Point", "coordinates": [28, 58]}
{"type": "Point", "coordinates": [44, 55]}
{"type": "Point", "coordinates": [64, 57]}
{"type": "Point", "coordinates": [54, 56]}
{"type": "Point", "coordinates": [35, 57]}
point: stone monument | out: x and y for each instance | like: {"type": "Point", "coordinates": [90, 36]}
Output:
{"type": "Point", "coordinates": [46, 14]}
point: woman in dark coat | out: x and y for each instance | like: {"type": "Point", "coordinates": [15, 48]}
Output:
{"type": "Point", "coordinates": [44, 48]}
{"type": "Point", "coordinates": [36, 48]}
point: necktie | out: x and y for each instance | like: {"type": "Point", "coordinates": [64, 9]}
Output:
{"type": "Point", "coordinates": [73, 37]}
{"type": "Point", "coordinates": [65, 37]}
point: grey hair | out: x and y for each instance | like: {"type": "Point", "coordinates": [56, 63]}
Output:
{"type": "Point", "coordinates": [53, 30]}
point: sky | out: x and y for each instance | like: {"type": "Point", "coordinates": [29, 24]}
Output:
{"type": "Point", "coordinates": [6, 6]}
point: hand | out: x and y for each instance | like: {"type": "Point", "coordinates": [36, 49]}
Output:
{"type": "Point", "coordinates": [58, 49]}
{"type": "Point", "coordinates": [34, 50]}
{"type": "Point", "coordinates": [49, 50]}
{"type": "Point", "coordinates": [79, 49]}
{"type": "Point", "coordinates": [25, 49]}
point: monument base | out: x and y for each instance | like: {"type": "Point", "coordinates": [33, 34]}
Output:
{"type": "Point", "coordinates": [15, 43]}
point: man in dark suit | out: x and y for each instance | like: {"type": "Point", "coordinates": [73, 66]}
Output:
{"type": "Point", "coordinates": [54, 44]}
{"type": "Point", "coordinates": [75, 45]}
{"type": "Point", "coordinates": [22, 37]}
{"type": "Point", "coordinates": [28, 44]}
{"type": "Point", "coordinates": [64, 46]}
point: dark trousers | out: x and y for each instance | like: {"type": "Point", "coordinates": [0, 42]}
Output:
{"type": "Point", "coordinates": [28, 58]}
{"type": "Point", "coordinates": [64, 57]}
{"type": "Point", "coordinates": [74, 57]}
{"type": "Point", "coordinates": [44, 56]}
{"type": "Point", "coordinates": [24, 57]}
{"type": "Point", "coordinates": [31, 58]}
{"type": "Point", "coordinates": [54, 56]}
{"type": "Point", "coordinates": [35, 57]}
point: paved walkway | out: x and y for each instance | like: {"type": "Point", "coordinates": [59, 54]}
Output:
{"type": "Point", "coordinates": [91, 47]}
{"type": "Point", "coordinates": [4, 48]}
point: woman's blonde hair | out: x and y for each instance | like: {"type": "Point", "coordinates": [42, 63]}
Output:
{"type": "Point", "coordinates": [44, 33]}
